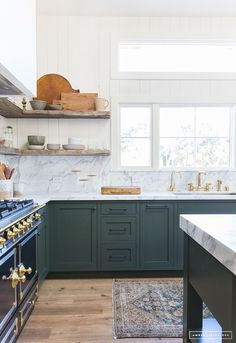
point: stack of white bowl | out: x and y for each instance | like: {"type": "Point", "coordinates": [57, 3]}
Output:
{"type": "Point", "coordinates": [74, 143]}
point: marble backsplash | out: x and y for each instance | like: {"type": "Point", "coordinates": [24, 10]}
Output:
{"type": "Point", "coordinates": [87, 174]}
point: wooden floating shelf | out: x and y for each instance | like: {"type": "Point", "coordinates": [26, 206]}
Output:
{"type": "Point", "coordinates": [10, 110]}
{"type": "Point", "coordinates": [9, 151]}
{"type": "Point", "coordinates": [53, 114]}
{"type": "Point", "coordinates": [90, 152]}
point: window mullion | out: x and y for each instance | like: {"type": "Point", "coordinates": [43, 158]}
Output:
{"type": "Point", "coordinates": [155, 136]}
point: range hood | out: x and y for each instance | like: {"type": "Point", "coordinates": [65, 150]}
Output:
{"type": "Point", "coordinates": [10, 85]}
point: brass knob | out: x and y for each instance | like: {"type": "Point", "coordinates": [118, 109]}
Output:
{"type": "Point", "coordinates": [14, 278]}
{"type": "Point", "coordinates": [10, 235]}
{"type": "Point", "coordinates": [21, 228]}
{"type": "Point", "coordinates": [16, 230]}
{"type": "Point", "coordinates": [22, 270]}
{"type": "Point", "coordinates": [37, 216]}
{"type": "Point", "coordinates": [2, 240]}
{"type": "Point", "coordinates": [28, 220]}
{"type": "Point", "coordinates": [25, 224]}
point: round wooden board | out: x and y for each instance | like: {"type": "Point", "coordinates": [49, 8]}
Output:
{"type": "Point", "coordinates": [50, 87]}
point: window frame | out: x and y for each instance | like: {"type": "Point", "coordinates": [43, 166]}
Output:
{"type": "Point", "coordinates": [118, 75]}
{"type": "Point", "coordinates": [155, 134]}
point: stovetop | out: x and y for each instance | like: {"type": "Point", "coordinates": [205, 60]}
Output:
{"type": "Point", "coordinates": [11, 210]}
{"type": "Point", "coordinates": [10, 207]}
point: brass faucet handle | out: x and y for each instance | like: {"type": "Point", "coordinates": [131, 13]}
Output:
{"type": "Point", "coordinates": [190, 187]}
{"type": "Point", "coordinates": [226, 188]}
{"type": "Point", "coordinates": [171, 188]}
{"type": "Point", "coordinates": [208, 187]}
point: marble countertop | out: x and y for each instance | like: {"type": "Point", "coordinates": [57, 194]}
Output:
{"type": "Point", "coordinates": [216, 233]}
{"type": "Point", "coordinates": [44, 198]}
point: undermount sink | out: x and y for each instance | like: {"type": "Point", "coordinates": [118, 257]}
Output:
{"type": "Point", "coordinates": [204, 193]}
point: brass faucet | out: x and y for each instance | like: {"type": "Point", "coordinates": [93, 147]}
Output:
{"type": "Point", "coordinates": [172, 184]}
{"type": "Point", "coordinates": [219, 184]}
{"type": "Point", "coordinates": [199, 180]}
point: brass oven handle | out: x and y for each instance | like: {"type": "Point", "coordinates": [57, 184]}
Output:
{"type": "Point", "coordinates": [22, 270]}
{"type": "Point", "coordinates": [14, 278]}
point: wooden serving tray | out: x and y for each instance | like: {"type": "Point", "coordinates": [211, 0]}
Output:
{"type": "Point", "coordinates": [121, 190]}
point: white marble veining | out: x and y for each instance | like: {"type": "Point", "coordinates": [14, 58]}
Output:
{"type": "Point", "coordinates": [216, 233]}
{"type": "Point", "coordinates": [40, 175]}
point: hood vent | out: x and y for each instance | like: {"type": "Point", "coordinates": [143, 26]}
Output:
{"type": "Point", "coordinates": [7, 88]}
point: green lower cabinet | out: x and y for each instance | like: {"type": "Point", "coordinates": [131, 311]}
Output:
{"type": "Point", "coordinates": [43, 246]}
{"type": "Point", "coordinates": [74, 237]}
{"type": "Point", "coordinates": [156, 236]}
{"type": "Point", "coordinates": [197, 207]}
{"type": "Point", "coordinates": [117, 256]}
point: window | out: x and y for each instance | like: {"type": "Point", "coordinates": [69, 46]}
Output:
{"type": "Point", "coordinates": [135, 124]}
{"type": "Point", "coordinates": [156, 59]}
{"type": "Point", "coordinates": [155, 136]}
{"type": "Point", "coordinates": [194, 137]}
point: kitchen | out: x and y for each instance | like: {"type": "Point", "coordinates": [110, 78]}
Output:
{"type": "Point", "coordinates": [133, 148]}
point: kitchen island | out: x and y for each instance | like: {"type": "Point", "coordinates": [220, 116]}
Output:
{"type": "Point", "coordinates": [209, 273]}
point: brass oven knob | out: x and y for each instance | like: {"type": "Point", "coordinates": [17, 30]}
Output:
{"type": "Point", "coordinates": [21, 228]}
{"type": "Point", "coordinates": [37, 216]}
{"type": "Point", "coordinates": [14, 278]}
{"type": "Point", "coordinates": [25, 224]}
{"type": "Point", "coordinates": [10, 235]}
{"type": "Point", "coordinates": [2, 241]}
{"type": "Point", "coordinates": [29, 221]}
{"type": "Point", "coordinates": [22, 270]}
{"type": "Point", "coordinates": [16, 230]}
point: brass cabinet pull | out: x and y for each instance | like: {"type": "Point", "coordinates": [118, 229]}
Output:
{"type": "Point", "coordinates": [14, 278]}
{"type": "Point", "coordinates": [22, 270]}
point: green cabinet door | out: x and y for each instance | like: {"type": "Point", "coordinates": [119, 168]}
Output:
{"type": "Point", "coordinates": [156, 235]}
{"type": "Point", "coordinates": [198, 207]}
{"type": "Point", "coordinates": [43, 246]}
{"type": "Point", "coordinates": [74, 237]}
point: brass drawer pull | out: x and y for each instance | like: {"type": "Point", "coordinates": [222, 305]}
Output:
{"type": "Point", "coordinates": [14, 278]}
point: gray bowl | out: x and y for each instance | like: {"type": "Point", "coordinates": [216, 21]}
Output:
{"type": "Point", "coordinates": [36, 140]}
{"type": "Point", "coordinates": [38, 104]}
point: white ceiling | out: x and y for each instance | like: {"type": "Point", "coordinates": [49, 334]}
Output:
{"type": "Point", "coordinates": [161, 8]}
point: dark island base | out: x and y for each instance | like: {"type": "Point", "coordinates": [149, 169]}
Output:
{"type": "Point", "coordinates": [207, 280]}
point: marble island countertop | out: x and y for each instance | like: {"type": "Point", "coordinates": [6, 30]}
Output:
{"type": "Point", "coordinates": [216, 233]}
{"type": "Point", "coordinates": [43, 198]}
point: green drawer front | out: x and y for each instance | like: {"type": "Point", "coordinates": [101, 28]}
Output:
{"type": "Point", "coordinates": [118, 257]}
{"type": "Point", "coordinates": [118, 229]}
{"type": "Point", "coordinates": [119, 208]}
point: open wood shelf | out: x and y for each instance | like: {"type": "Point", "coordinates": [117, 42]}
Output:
{"type": "Point", "coordinates": [10, 110]}
{"type": "Point", "coordinates": [27, 152]}
{"type": "Point", "coordinates": [9, 151]}
{"type": "Point", "coordinates": [53, 114]}
{"type": "Point", "coordinates": [90, 152]}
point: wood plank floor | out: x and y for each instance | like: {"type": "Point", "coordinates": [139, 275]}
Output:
{"type": "Point", "coordinates": [75, 311]}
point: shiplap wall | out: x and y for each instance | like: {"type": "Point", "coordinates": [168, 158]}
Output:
{"type": "Point", "coordinates": [79, 49]}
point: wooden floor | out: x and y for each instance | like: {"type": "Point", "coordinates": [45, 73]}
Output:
{"type": "Point", "coordinates": [75, 311]}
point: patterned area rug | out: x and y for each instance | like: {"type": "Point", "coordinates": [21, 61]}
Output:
{"type": "Point", "coordinates": [148, 308]}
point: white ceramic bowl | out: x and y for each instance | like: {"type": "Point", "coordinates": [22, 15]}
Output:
{"type": "Point", "coordinates": [74, 140]}
{"type": "Point", "coordinates": [73, 147]}
{"type": "Point", "coordinates": [53, 146]}
{"type": "Point", "coordinates": [36, 147]}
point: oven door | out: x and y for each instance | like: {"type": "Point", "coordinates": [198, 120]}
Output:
{"type": "Point", "coordinates": [8, 287]}
{"type": "Point", "coordinates": [27, 250]}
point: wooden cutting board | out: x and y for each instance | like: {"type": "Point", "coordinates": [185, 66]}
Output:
{"type": "Point", "coordinates": [50, 87]}
{"type": "Point", "coordinates": [78, 101]}
{"type": "Point", "coordinates": [121, 190]}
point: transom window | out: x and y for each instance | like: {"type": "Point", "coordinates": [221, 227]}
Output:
{"type": "Point", "coordinates": [154, 136]}
{"type": "Point", "coordinates": [150, 59]}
